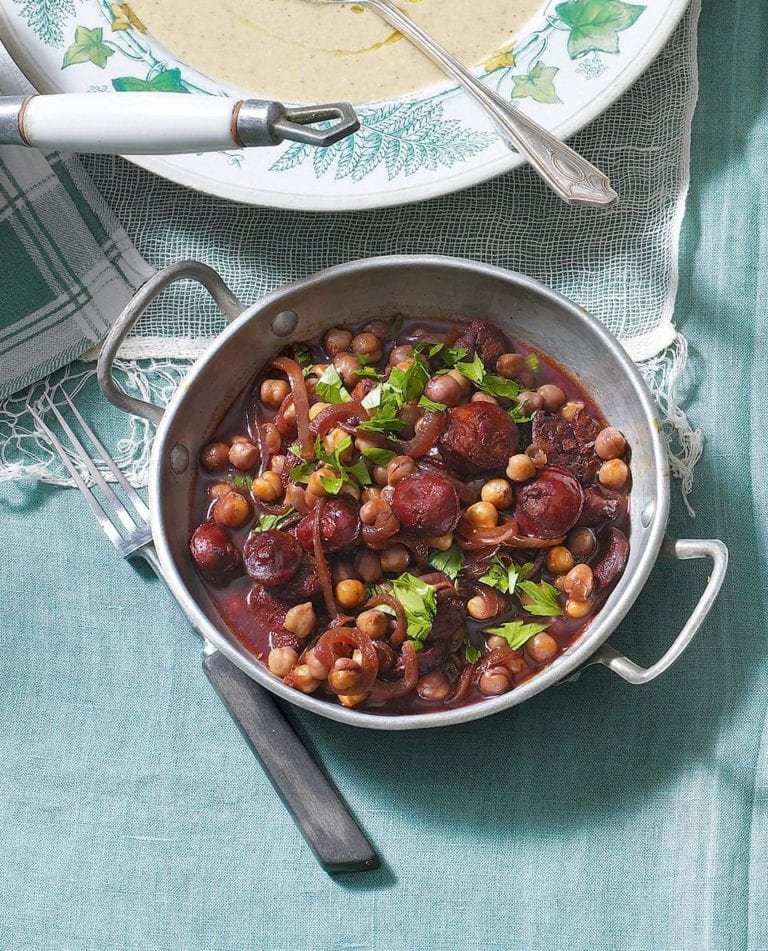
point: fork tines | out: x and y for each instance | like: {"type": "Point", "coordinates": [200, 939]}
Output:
{"type": "Point", "coordinates": [132, 530]}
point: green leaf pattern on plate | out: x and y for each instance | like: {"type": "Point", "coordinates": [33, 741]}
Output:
{"type": "Point", "coordinates": [397, 138]}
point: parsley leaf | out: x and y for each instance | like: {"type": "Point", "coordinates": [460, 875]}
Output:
{"type": "Point", "coordinates": [532, 362]}
{"type": "Point", "coordinates": [517, 415]}
{"type": "Point", "coordinates": [332, 484]}
{"type": "Point", "coordinates": [488, 382]}
{"type": "Point", "coordinates": [516, 633]}
{"type": "Point", "coordinates": [241, 481]}
{"type": "Point", "coordinates": [408, 384]}
{"type": "Point", "coordinates": [543, 599]}
{"type": "Point", "coordinates": [505, 577]}
{"type": "Point", "coordinates": [373, 399]}
{"type": "Point", "coordinates": [431, 406]}
{"type": "Point", "coordinates": [330, 386]}
{"type": "Point", "coordinates": [449, 562]}
{"type": "Point", "coordinates": [419, 601]}
{"type": "Point", "coordinates": [379, 457]}
{"type": "Point", "coordinates": [472, 653]}
{"type": "Point", "coordinates": [303, 357]}
{"type": "Point", "coordinates": [269, 522]}
{"type": "Point", "coordinates": [452, 355]}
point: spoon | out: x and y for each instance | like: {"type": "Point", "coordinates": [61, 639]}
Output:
{"type": "Point", "coordinates": [569, 175]}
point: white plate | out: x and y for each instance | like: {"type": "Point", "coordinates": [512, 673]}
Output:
{"type": "Point", "coordinates": [574, 59]}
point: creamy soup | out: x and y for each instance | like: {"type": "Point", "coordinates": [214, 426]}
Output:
{"type": "Point", "coordinates": [301, 51]}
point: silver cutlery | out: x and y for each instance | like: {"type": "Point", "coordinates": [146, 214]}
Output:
{"type": "Point", "coordinates": [323, 819]}
{"type": "Point", "coordinates": [569, 175]}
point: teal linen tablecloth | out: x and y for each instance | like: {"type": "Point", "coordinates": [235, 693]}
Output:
{"type": "Point", "coordinates": [597, 816]}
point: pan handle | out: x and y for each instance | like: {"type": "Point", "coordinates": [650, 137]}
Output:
{"type": "Point", "coordinates": [211, 280]}
{"type": "Point", "coordinates": [680, 549]}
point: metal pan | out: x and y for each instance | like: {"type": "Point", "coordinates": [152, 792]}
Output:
{"type": "Point", "coordinates": [419, 286]}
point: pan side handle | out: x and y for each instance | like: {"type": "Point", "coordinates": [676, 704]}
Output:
{"type": "Point", "coordinates": [211, 280]}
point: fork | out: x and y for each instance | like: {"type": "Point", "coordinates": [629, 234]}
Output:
{"type": "Point", "coordinates": [316, 807]}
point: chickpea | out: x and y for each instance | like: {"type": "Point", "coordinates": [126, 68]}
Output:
{"type": "Point", "coordinates": [231, 510]}
{"type": "Point", "coordinates": [376, 508]}
{"type": "Point", "coordinates": [443, 388]}
{"type": "Point", "coordinates": [379, 475]}
{"type": "Point", "coordinates": [494, 642]}
{"type": "Point", "coordinates": [366, 442]}
{"type": "Point", "coordinates": [316, 408]}
{"type": "Point", "coordinates": [395, 559]}
{"type": "Point", "coordinates": [310, 500]}
{"type": "Point", "coordinates": [318, 369]}
{"type": "Point", "coordinates": [482, 515]}
{"type": "Point", "coordinates": [316, 669]}
{"type": "Point", "coordinates": [271, 439]}
{"type": "Point", "coordinates": [537, 456]}
{"type": "Point", "coordinates": [379, 328]}
{"type": "Point", "coordinates": [579, 582]}
{"type": "Point", "coordinates": [553, 396]}
{"type": "Point", "coordinates": [343, 571]}
{"type": "Point", "coordinates": [581, 542]}
{"type": "Point", "coordinates": [217, 489]}
{"type": "Point", "coordinates": [214, 456]}
{"type": "Point", "coordinates": [559, 582]}
{"type": "Point", "coordinates": [370, 493]}
{"type": "Point", "coordinates": [350, 489]}
{"type": "Point", "coordinates": [345, 674]}
{"type": "Point", "coordinates": [352, 699]}
{"type": "Point", "coordinates": [348, 367]}
{"type": "Point", "coordinates": [509, 365]}
{"type": "Point", "coordinates": [399, 468]}
{"type": "Point", "coordinates": [433, 686]}
{"type": "Point", "coordinates": [367, 344]}
{"type": "Point", "coordinates": [336, 340]}
{"type": "Point", "coordinates": [401, 354]}
{"type": "Point", "coordinates": [578, 609]}
{"type": "Point", "coordinates": [530, 402]}
{"type": "Point", "coordinates": [315, 485]}
{"type": "Point", "coordinates": [482, 608]}
{"type": "Point", "coordinates": [498, 492]}
{"type": "Point", "coordinates": [333, 439]}
{"type": "Point", "coordinates": [289, 414]}
{"type": "Point", "coordinates": [495, 682]}
{"type": "Point", "coordinates": [350, 593]}
{"type": "Point", "coordinates": [303, 680]}
{"type": "Point", "coordinates": [441, 542]}
{"type": "Point", "coordinates": [520, 468]}
{"type": "Point", "coordinates": [526, 379]}
{"type": "Point", "coordinates": [281, 659]}
{"type": "Point", "coordinates": [464, 384]}
{"type": "Point", "coordinates": [300, 619]}
{"type": "Point", "coordinates": [273, 392]}
{"type": "Point", "coordinates": [559, 560]}
{"type": "Point", "coordinates": [542, 647]}
{"type": "Point", "coordinates": [294, 496]}
{"type": "Point", "coordinates": [410, 414]}
{"type": "Point", "coordinates": [368, 566]}
{"type": "Point", "coordinates": [267, 487]}
{"type": "Point", "coordinates": [610, 443]}
{"type": "Point", "coordinates": [373, 623]}
{"type": "Point", "coordinates": [613, 474]}
{"type": "Point", "coordinates": [571, 409]}
{"type": "Point", "coordinates": [277, 463]}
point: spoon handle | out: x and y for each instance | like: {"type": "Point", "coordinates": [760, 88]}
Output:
{"type": "Point", "coordinates": [569, 175]}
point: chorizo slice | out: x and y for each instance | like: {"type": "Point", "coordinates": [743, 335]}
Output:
{"type": "Point", "coordinates": [568, 443]}
{"type": "Point", "coordinates": [601, 505]}
{"type": "Point", "coordinates": [550, 505]}
{"type": "Point", "coordinates": [213, 553]}
{"type": "Point", "coordinates": [478, 438]}
{"type": "Point", "coordinates": [339, 525]}
{"type": "Point", "coordinates": [486, 340]}
{"type": "Point", "coordinates": [272, 557]}
{"type": "Point", "coordinates": [426, 502]}
{"type": "Point", "coordinates": [612, 560]}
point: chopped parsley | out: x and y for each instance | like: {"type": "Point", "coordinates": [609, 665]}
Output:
{"type": "Point", "coordinates": [419, 601]}
{"type": "Point", "coordinates": [431, 406]}
{"type": "Point", "coordinates": [303, 357]}
{"type": "Point", "coordinates": [505, 578]}
{"type": "Point", "coordinates": [357, 471]}
{"type": "Point", "coordinates": [488, 382]}
{"type": "Point", "coordinates": [241, 481]}
{"type": "Point", "coordinates": [532, 362]}
{"type": "Point", "coordinates": [450, 562]}
{"type": "Point", "coordinates": [516, 633]}
{"type": "Point", "coordinates": [542, 599]}
{"type": "Point", "coordinates": [379, 457]}
{"type": "Point", "coordinates": [330, 386]}
{"type": "Point", "coordinates": [472, 653]}
{"type": "Point", "coordinates": [269, 522]}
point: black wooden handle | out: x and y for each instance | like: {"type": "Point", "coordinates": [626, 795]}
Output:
{"type": "Point", "coordinates": [319, 812]}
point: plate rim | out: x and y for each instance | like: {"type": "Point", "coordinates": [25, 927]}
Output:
{"type": "Point", "coordinates": [394, 195]}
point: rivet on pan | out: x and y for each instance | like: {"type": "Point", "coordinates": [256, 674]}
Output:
{"type": "Point", "coordinates": [285, 323]}
{"type": "Point", "coordinates": [179, 459]}
{"type": "Point", "coordinates": [646, 516]}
